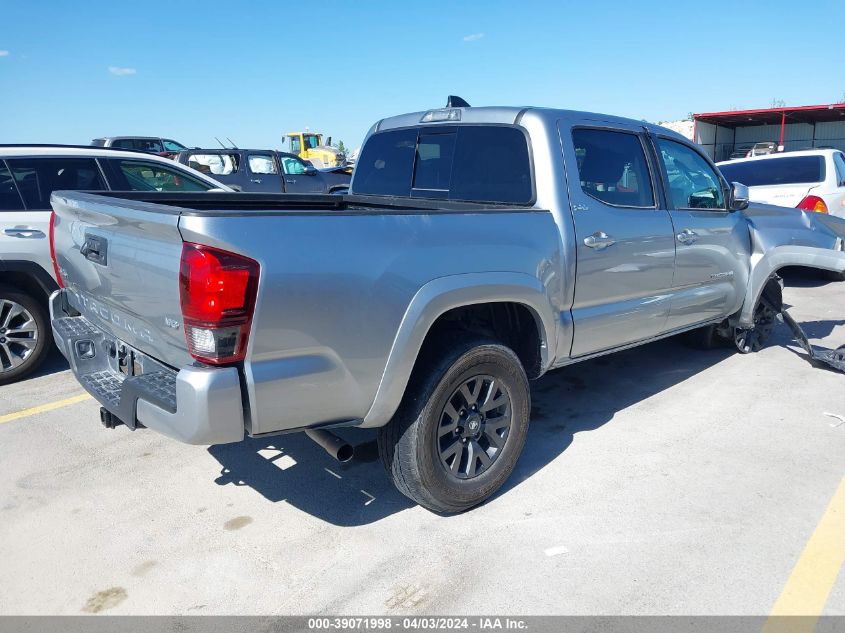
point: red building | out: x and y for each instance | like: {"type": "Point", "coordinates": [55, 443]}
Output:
{"type": "Point", "coordinates": [803, 127]}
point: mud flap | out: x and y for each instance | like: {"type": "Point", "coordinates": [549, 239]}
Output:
{"type": "Point", "coordinates": [833, 357]}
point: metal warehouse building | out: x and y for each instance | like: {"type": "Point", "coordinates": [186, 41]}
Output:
{"type": "Point", "coordinates": [804, 127]}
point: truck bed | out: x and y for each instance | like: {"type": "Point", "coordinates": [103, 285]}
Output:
{"type": "Point", "coordinates": [339, 277]}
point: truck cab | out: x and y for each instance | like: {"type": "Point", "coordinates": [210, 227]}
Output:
{"type": "Point", "coordinates": [309, 146]}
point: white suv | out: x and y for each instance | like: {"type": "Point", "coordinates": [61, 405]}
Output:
{"type": "Point", "coordinates": [28, 175]}
{"type": "Point", "coordinates": [813, 180]}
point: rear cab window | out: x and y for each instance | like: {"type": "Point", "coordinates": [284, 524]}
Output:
{"type": "Point", "coordinates": [469, 163]}
{"type": "Point", "coordinates": [786, 170]}
{"type": "Point", "coordinates": [37, 178]}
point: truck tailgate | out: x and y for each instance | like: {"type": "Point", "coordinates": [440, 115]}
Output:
{"type": "Point", "coordinates": [119, 260]}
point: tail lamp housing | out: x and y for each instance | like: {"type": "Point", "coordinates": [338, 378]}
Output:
{"type": "Point", "coordinates": [56, 270]}
{"type": "Point", "coordinates": [813, 203]}
{"type": "Point", "coordinates": [217, 291]}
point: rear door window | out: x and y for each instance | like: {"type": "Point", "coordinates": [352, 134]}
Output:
{"type": "Point", "coordinates": [612, 167]}
{"type": "Point", "coordinates": [262, 164]}
{"type": "Point", "coordinates": [37, 178]}
{"type": "Point", "coordinates": [786, 170]}
{"type": "Point", "coordinates": [151, 145]}
{"type": "Point", "coordinates": [139, 175]}
{"type": "Point", "coordinates": [215, 164]}
{"type": "Point", "coordinates": [9, 198]}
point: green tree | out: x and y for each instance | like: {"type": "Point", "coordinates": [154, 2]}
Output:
{"type": "Point", "coordinates": [341, 147]}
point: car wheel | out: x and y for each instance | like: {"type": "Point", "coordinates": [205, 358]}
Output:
{"type": "Point", "coordinates": [461, 426]}
{"type": "Point", "coordinates": [25, 335]}
{"type": "Point", "coordinates": [753, 339]}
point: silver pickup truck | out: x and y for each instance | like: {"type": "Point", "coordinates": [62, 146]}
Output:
{"type": "Point", "coordinates": [478, 249]}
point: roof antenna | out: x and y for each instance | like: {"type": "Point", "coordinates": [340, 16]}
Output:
{"type": "Point", "coordinates": [232, 142]}
{"type": "Point", "coordinates": [220, 142]}
{"type": "Point", "coordinates": [453, 101]}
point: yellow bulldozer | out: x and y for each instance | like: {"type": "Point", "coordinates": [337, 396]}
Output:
{"type": "Point", "coordinates": [309, 146]}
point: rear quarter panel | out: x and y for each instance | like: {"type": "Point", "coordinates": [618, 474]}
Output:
{"type": "Point", "coordinates": [334, 289]}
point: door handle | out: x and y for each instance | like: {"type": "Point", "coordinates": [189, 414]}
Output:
{"type": "Point", "coordinates": [255, 180]}
{"type": "Point", "coordinates": [687, 236]}
{"type": "Point", "coordinates": [599, 240]}
{"type": "Point", "coordinates": [24, 232]}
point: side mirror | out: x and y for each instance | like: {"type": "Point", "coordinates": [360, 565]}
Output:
{"type": "Point", "coordinates": [739, 196]}
{"type": "Point", "coordinates": [310, 170]}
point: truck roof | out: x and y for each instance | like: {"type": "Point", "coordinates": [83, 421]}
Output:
{"type": "Point", "coordinates": [510, 115]}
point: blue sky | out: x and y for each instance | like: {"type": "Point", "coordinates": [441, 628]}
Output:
{"type": "Point", "coordinates": [74, 70]}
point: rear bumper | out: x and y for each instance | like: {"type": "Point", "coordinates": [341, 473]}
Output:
{"type": "Point", "coordinates": [196, 405]}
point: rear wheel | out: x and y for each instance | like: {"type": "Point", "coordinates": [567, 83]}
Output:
{"type": "Point", "coordinates": [25, 335]}
{"type": "Point", "coordinates": [461, 426]}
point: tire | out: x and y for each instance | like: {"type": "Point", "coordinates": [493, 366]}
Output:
{"type": "Point", "coordinates": [412, 447]}
{"type": "Point", "coordinates": [23, 319]}
{"type": "Point", "coordinates": [752, 340]}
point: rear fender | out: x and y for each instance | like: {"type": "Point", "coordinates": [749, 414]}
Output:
{"type": "Point", "coordinates": [438, 297]}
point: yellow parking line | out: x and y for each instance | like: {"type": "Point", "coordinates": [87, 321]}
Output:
{"type": "Point", "coordinates": [815, 573]}
{"type": "Point", "coordinates": [17, 415]}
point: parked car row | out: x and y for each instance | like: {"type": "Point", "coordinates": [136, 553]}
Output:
{"type": "Point", "coordinates": [266, 171]}
{"type": "Point", "coordinates": [28, 176]}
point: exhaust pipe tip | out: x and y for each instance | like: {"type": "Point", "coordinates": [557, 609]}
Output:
{"type": "Point", "coordinates": [332, 444]}
{"type": "Point", "coordinates": [345, 453]}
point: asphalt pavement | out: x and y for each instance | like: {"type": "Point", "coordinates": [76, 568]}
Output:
{"type": "Point", "coordinates": [659, 480]}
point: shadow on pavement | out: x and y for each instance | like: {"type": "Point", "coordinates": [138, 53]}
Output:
{"type": "Point", "coordinates": [582, 397]}
{"type": "Point", "coordinates": [587, 395]}
{"type": "Point", "coordinates": [294, 469]}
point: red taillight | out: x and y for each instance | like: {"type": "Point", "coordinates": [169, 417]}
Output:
{"type": "Point", "coordinates": [217, 291]}
{"type": "Point", "coordinates": [813, 203]}
{"type": "Point", "coordinates": [53, 250]}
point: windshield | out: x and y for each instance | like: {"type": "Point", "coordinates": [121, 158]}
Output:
{"type": "Point", "coordinates": [788, 170]}
{"type": "Point", "coordinates": [312, 140]}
